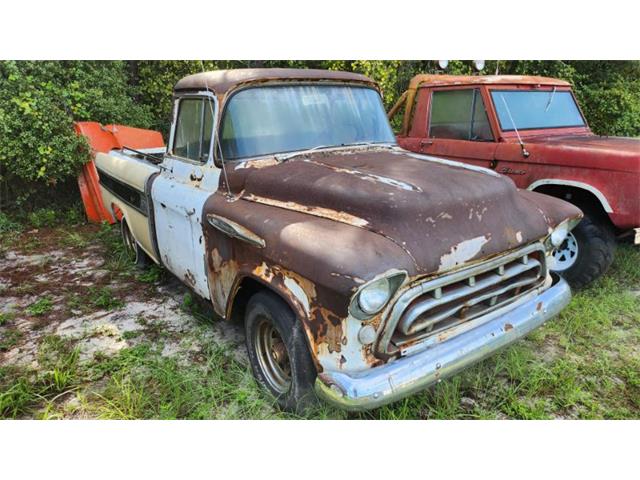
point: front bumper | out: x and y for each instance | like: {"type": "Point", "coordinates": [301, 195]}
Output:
{"type": "Point", "coordinates": [407, 375]}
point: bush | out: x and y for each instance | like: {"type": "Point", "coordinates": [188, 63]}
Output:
{"type": "Point", "coordinates": [39, 101]}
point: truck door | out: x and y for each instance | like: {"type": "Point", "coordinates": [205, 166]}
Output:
{"type": "Point", "coordinates": [188, 177]}
{"type": "Point", "coordinates": [458, 127]}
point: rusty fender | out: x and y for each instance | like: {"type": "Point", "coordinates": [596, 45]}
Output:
{"type": "Point", "coordinates": [316, 264]}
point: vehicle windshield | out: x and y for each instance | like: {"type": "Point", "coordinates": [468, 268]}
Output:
{"type": "Point", "coordinates": [536, 109]}
{"type": "Point", "coordinates": [280, 119]}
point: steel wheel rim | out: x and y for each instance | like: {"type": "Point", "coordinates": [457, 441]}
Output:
{"type": "Point", "coordinates": [272, 356]}
{"type": "Point", "coordinates": [565, 257]}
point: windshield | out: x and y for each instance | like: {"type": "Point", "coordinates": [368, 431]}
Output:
{"type": "Point", "coordinates": [539, 109]}
{"type": "Point", "coordinates": [279, 119]}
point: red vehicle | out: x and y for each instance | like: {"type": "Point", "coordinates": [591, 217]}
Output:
{"type": "Point", "coordinates": [532, 130]}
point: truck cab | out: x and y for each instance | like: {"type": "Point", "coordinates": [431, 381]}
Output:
{"type": "Point", "coordinates": [532, 130]}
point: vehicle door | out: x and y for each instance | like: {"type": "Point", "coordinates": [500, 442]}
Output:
{"type": "Point", "coordinates": [188, 177]}
{"type": "Point", "coordinates": [458, 127]}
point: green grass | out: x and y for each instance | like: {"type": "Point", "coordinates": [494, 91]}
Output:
{"type": "Point", "coordinates": [6, 317]}
{"type": "Point", "coordinates": [74, 239]}
{"type": "Point", "coordinates": [40, 307]}
{"type": "Point", "coordinates": [104, 298]}
{"type": "Point", "coordinates": [152, 274]}
{"type": "Point", "coordinates": [583, 364]}
{"type": "Point", "coordinates": [24, 391]}
{"type": "Point", "coordinates": [8, 225]}
{"type": "Point", "coordinates": [9, 337]}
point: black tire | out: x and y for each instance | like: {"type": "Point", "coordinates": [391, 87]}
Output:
{"type": "Point", "coordinates": [596, 244]}
{"type": "Point", "coordinates": [133, 250]}
{"type": "Point", "coordinates": [266, 310]}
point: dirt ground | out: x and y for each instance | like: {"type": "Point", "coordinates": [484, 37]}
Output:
{"type": "Point", "coordinates": [85, 334]}
{"type": "Point", "coordinates": [102, 310]}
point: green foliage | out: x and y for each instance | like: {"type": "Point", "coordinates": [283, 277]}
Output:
{"type": "Point", "coordinates": [43, 217]}
{"type": "Point", "coordinates": [39, 101]}
{"type": "Point", "coordinates": [7, 224]}
{"type": "Point", "coordinates": [9, 337]}
{"type": "Point", "coordinates": [40, 306]}
{"type": "Point", "coordinates": [104, 298]}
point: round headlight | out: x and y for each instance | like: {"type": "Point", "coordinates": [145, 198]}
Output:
{"type": "Point", "coordinates": [559, 234]}
{"type": "Point", "coordinates": [374, 296]}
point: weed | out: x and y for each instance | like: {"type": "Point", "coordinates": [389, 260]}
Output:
{"type": "Point", "coordinates": [152, 274]}
{"type": "Point", "coordinates": [9, 337]}
{"type": "Point", "coordinates": [8, 225]}
{"type": "Point", "coordinates": [43, 217]}
{"type": "Point", "coordinates": [104, 298]}
{"type": "Point", "coordinates": [131, 334]}
{"type": "Point", "coordinates": [59, 362]}
{"type": "Point", "coordinates": [40, 307]}
{"type": "Point", "coordinates": [74, 239]}
{"type": "Point", "coordinates": [195, 307]}
{"type": "Point", "coordinates": [6, 317]}
{"type": "Point", "coordinates": [74, 215]}
{"type": "Point", "coordinates": [17, 392]}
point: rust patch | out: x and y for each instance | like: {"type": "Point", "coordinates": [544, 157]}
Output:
{"type": "Point", "coordinates": [221, 280]}
{"type": "Point", "coordinates": [189, 278]}
{"type": "Point", "coordinates": [507, 327]}
{"type": "Point", "coordinates": [322, 212]}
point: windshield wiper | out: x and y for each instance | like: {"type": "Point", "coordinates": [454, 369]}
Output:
{"type": "Point", "coordinates": [553, 92]}
{"type": "Point", "coordinates": [369, 144]}
{"type": "Point", "coordinates": [284, 158]}
{"type": "Point", "coordinates": [525, 153]}
{"type": "Point", "coordinates": [289, 156]}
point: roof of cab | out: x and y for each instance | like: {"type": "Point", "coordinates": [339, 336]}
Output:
{"type": "Point", "coordinates": [430, 80]}
{"type": "Point", "coordinates": [221, 81]}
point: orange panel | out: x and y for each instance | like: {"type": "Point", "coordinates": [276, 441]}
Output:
{"type": "Point", "coordinates": [104, 139]}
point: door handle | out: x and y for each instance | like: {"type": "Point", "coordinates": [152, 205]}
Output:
{"type": "Point", "coordinates": [196, 175]}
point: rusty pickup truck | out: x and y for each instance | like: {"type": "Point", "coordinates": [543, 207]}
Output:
{"type": "Point", "coordinates": [363, 273]}
{"type": "Point", "coordinates": [532, 130]}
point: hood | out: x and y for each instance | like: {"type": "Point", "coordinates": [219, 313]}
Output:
{"type": "Point", "coordinates": [597, 142]}
{"type": "Point", "coordinates": [441, 213]}
{"type": "Point", "coordinates": [594, 151]}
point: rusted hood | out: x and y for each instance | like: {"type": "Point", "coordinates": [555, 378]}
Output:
{"type": "Point", "coordinates": [592, 151]}
{"type": "Point", "coordinates": [596, 142]}
{"type": "Point", "coordinates": [440, 213]}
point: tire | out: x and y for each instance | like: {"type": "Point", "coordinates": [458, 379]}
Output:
{"type": "Point", "coordinates": [269, 322]}
{"type": "Point", "coordinates": [132, 248]}
{"type": "Point", "coordinates": [593, 244]}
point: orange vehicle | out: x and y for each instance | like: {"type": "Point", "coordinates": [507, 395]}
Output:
{"type": "Point", "coordinates": [532, 130]}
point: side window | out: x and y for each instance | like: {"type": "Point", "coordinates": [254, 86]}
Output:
{"type": "Point", "coordinates": [194, 127]}
{"type": "Point", "coordinates": [459, 115]}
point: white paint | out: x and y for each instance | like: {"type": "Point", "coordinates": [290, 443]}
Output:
{"type": "Point", "coordinates": [450, 163]}
{"type": "Point", "coordinates": [572, 183]}
{"type": "Point", "coordinates": [178, 203]}
{"type": "Point", "coordinates": [298, 292]}
{"type": "Point", "coordinates": [519, 237]}
{"type": "Point", "coordinates": [462, 253]}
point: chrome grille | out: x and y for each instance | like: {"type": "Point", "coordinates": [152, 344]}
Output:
{"type": "Point", "coordinates": [436, 305]}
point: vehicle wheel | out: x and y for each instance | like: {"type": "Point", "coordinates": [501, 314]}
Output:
{"type": "Point", "coordinates": [586, 253]}
{"type": "Point", "coordinates": [133, 250]}
{"type": "Point", "coordinates": [278, 352]}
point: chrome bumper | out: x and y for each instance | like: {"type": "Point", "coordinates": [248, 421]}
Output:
{"type": "Point", "coordinates": [407, 375]}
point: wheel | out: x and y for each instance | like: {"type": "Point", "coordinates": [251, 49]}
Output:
{"type": "Point", "coordinates": [278, 352]}
{"type": "Point", "coordinates": [586, 253]}
{"type": "Point", "coordinates": [133, 250]}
